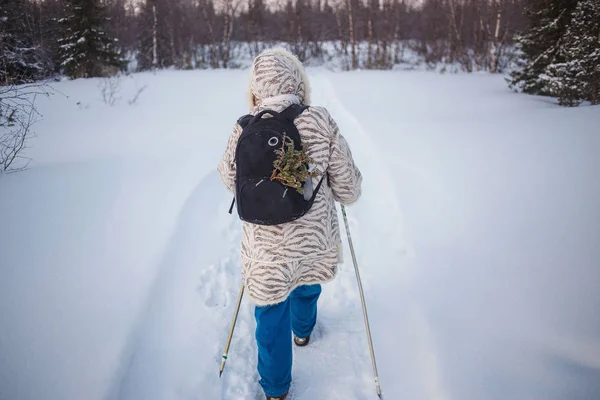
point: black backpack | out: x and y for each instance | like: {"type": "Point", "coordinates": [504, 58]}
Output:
{"type": "Point", "coordinates": [261, 200]}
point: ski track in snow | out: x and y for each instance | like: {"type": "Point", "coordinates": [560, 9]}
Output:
{"type": "Point", "coordinates": [192, 293]}
{"type": "Point", "coordinates": [420, 377]}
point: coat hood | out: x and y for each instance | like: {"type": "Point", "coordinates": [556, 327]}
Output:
{"type": "Point", "coordinates": [277, 74]}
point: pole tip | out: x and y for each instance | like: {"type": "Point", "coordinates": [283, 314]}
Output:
{"type": "Point", "coordinates": [221, 373]}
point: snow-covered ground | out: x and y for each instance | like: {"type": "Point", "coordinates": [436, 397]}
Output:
{"type": "Point", "coordinates": [478, 239]}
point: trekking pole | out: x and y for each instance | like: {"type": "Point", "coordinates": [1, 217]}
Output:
{"type": "Point", "coordinates": [364, 305]}
{"type": "Point", "coordinates": [235, 315]}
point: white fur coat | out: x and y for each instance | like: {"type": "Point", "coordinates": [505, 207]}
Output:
{"type": "Point", "coordinates": [277, 259]}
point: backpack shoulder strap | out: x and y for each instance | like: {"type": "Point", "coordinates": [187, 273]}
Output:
{"type": "Point", "coordinates": [293, 111]}
{"type": "Point", "coordinates": [244, 120]}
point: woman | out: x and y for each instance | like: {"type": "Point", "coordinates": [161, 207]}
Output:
{"type": "Point", "coordinates": [283, 266]}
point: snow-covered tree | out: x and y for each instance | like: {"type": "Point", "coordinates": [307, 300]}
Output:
{"type": "Point", "coordinates": [86, 50]}
{"type": "Point", "coordinates": [20, 58]}
{"type": "Point", "coordinates": [539, 44]}
{"type": "Point", "coordinates": [577, 77]}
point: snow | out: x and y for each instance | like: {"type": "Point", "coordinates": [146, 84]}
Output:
{"type": "Point", "coordinates": [477, 237]}
{"type": "Point", "coordinates": [67, 60]}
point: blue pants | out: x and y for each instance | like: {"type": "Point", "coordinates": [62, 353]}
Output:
{"type": "Point", "coordinates": [274, 324]}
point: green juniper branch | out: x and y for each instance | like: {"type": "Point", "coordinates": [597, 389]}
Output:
{"type": "Point", "coordinates": [290, 167]}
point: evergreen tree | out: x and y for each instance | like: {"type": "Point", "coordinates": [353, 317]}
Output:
{"type": "Point", "coordinates": [21, 60]}
{"type": "Point", "coordinates": [86, 50]}
{"type": "Point", "coordinates": [577, 78]}
{"type": "Point", "coordinates": [539, 44]}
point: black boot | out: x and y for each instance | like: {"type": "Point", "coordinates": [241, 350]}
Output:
{"type": "Point", "coordinates": [301, 342]}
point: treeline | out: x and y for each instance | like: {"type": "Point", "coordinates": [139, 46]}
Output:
{"type": "Point", "coordinates": [557, 41]}
{"type": "Point", "coordinates": [39, 38]}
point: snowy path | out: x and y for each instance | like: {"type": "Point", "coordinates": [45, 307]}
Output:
{"type": "Point", "coordinates": [476, 235]}
{"type": "Point", "coordinates": [184, 331]}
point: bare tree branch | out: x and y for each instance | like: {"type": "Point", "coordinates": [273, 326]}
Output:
{"type": "Point", "coordinates": [18, 113]}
